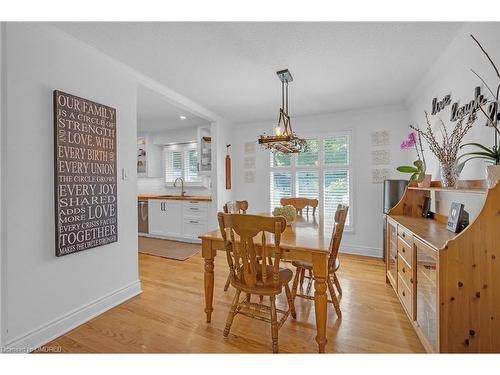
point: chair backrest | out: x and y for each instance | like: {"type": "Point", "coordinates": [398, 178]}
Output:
{"type": "Point", "coordinates": [238, 232]}
{"type": "Point", "coordinates": [338, 231]}
{"type": "Point", "coordinates": [236, 207]}
{"type": "Point", "coordinates": [300, 204]}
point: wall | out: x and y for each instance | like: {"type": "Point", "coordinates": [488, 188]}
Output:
{"type": "Point", "coordinates": [367, 197]}
{"type": "Point", "coordinates": [47, 296]}
{"type": "Point", "coordinates": [451, 74]}
{"type": "Point", "coordinates": [3, 182]}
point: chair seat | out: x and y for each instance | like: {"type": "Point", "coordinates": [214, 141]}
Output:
{"type": "Point", "coordinates": [265, 287]}
{"type": "Point", "coordinates": [309, 266]}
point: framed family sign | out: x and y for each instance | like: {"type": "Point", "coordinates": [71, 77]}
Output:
{"type": "Point", "coordinates": [85, 179]}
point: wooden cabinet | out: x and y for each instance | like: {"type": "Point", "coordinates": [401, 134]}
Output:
{"type": "Point", "coordinates": [180, 220]}
{"type": "Point", "coordinates": [392, 252]}
{"type": "Point", "coordinates": [448, 283]}
{"type": "Point", "coordinates": [426, 293]}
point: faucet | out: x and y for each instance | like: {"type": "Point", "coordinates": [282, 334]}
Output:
{"type": "Point", "coordinates": [182, 185]}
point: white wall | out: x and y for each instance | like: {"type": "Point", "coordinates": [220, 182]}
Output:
{"type": "Point", "coordinates": [367, 197]}
{"type": "Point", "coordinates": [451, 74]}
{"type": "Point", "coordinates": [47, 295]}
{"type": "Point", "coordinates": [3, 117]}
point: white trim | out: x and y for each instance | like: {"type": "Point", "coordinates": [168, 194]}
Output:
{"type": "Point", "coordinates": [71, 320]}
{"type": "Point", "coordinates": [374, 252]}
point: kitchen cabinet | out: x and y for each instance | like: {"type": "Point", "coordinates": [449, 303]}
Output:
{"type": "Point", "coordinates": [178, 219]}
{"type": "Point", "coordinates": [392, 253]}
{"type": "Point", "coordinates": [204, 150]}
{"type": "Point", "coordinates": [149, 157]}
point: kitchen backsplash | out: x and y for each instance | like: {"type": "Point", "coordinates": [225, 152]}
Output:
{"type": "Point", "coordinates": [157, 186]}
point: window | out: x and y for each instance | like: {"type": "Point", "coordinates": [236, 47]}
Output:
{"type": "Point", "coordinates": [323, 172]}
{"type": "Point", "coordinates": [181, 161]}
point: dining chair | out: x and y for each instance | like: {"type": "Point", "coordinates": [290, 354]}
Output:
{"type": "Point", "coordinates": [300, 204]}
{"type": "Point", "coordinates": [250, 275]}
{"type": "Point", "coordinates": [333, 263]}
{"type": "Point", "coordinates": [239, 207]}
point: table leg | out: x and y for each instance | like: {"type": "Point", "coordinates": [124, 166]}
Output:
{"type": "Point", "coordinates": [209, 255]}
{"type": "Point", "coordinates": [320, 270]}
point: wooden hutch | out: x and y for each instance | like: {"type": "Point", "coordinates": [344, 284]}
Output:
{"type": "Point", "coordinates": [448, 284]}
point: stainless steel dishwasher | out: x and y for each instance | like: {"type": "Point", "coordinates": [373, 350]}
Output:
{"type": "Point", "coordinates": [142, 211]}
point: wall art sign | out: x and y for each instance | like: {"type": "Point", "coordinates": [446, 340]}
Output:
{"type": "Point", "coordinates": [84, 174]}
{"type": "Point", "coordinates": [472, 106]}
{"type": "Point", "coordinates": [380, 138]}
{"type": "Point", "coordinates": [438, 106]}
{"type": "Point", "coordinates": [381, 157]}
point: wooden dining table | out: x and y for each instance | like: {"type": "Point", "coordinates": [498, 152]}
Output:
{"type": "Point", "coordinates": [303, 240]}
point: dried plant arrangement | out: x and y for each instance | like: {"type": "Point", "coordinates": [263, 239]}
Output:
{"type": "Point", "coordinates": [447, 150]}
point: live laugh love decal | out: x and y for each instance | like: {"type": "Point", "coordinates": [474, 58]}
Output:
{"type": "Point", "coordinates": [85, 174]}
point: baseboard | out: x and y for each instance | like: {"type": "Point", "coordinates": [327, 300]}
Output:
{"type": "Point", "coordinates": [361, 250]}
{"type": "Point", "coordinates": [172, 238]}
{"type": "Point", "coordinates": [71, 320]}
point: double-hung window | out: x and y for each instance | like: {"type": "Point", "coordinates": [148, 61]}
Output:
{"type": "Point", "coordinates": [323, 172]}
{"type": "Point", "coordinates": [181, 161]}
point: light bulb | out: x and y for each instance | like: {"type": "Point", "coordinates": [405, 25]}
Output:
{"type": "Point", "coordinates": [277, 131]}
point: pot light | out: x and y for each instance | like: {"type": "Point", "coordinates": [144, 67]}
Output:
{"type": "Point", "coordinates": [182, 117]}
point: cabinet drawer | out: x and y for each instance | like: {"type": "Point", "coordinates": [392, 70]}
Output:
{"type": "Point", "coordinates": [406, 251]}
{"type": "Point", "coordinates": [195, 212]}
{"type": "Point", "coordinates": [405, 271]}
{"type": "Point", "coordinates": [405, 234]}
{"type": "Point", "coordinates": [200, 204]}
{"type": "Point", "coordinates": [193, 228]}
{"type": "Point", "coordinates": [406, 296]}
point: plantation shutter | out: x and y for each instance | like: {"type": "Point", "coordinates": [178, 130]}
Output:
{"type": "Point", "coordinates": [281, 186]}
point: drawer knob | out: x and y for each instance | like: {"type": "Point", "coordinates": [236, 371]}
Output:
{"type": "Point", "coordinates": [403, 249]}
{"type": "Point", "coordinates": [404, 234]}
{"type": "Point", "coordinates": [403, 293]}
{"type": "Point", "coordinates": [404, 270]}
{"type": "Point", "coordinates": [411, 280]}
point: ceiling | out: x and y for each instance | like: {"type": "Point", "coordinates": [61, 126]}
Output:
{"type": "Point", "coordinates": [229, 68]}
{"type": "Point", "coordinates": [155, 113]}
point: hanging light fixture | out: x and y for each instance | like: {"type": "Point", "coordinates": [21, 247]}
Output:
{"type": "Point", "coordinates": [284, 139]}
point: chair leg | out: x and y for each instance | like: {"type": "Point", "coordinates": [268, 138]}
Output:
{"type": "Point", "coordinates": [333, 296]}
{"type": "Point", "coordinates": [302, 275]}
{"type": "Point", "coordinates": [291, 305]}
{"type": "Point", "coordinates": [232, 313]}
{"type": "Point", "coordinates": [274, 324]}
{"type": "Point", "coordinates": [295, 282]}
{"type": "Point", "coordinates": [309, 283]}
{"type": "Point", "coordinates": [337, 283]}
{"type": "Point", "coordinates": [226, 287]}
{"type": "Point", "coordinates": [261, 298]}
{"type": "Point", "coordinates": [248, 297]}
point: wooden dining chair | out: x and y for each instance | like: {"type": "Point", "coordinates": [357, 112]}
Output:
{"type": "Point", "coordinates": [236, 207]}
{"type": "Point", "coordinates": [250, 275]}
{"type": "Point", "coordinates": [333, 263]}
{"type": "Point", "coordinates": [300, 204]}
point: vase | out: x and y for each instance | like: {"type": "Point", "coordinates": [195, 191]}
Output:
{"type": "Point", "coordinates": [449, 175]}
{"type": "Point", "coordinates": [426, 182]}
{"type": "Point", "coordinates": [492, 175]}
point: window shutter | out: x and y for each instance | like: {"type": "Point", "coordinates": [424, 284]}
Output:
{"type": "Point", "coordinates": [191, 171]}
{"type": "Point", "coordinates": [336, 191]}
{"type": "Point", "coordinates": [307, 184]}
{"type": "Point", "coordinates": [281, 186]}
{"type": "Point", "coordinates": [336, 150]}
{"type": "Point", "coordinates": [310, 157]}
{"type": "Point", "coordinates": [173, 165]}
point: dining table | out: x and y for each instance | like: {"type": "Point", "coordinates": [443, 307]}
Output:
{"type": "Point", "coordinates": [304, 239]}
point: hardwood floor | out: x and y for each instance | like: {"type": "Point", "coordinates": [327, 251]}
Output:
{"type": "Point", "coordinates": [168, 316]}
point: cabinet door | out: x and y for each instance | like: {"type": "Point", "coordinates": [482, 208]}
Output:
{"type": "Point", "coordinates": [172, 211]}
{"type": "Point", "coordinates": [157, 219]}
{"type": "Point", "coordinates": [392, 252]}
{"type": "Point", "coordinates": [427, 293]}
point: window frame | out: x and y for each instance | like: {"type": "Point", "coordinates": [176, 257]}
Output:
{"type": "Point", "coordinates": [321, 168]}
{"type": "Point", "coordinates": [167, 152]}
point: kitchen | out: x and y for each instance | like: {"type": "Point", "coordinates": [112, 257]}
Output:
{"type": "Point", "coordinates": [174, 184]}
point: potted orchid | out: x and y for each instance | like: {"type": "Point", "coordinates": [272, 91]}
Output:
{"type": "Point", "coordinates": [418, 169]}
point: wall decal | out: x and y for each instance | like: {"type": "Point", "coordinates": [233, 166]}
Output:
{"type": "Point", "coordinates": [379, 175]}
{"type": "Point", "coordinates": [438, 106]}
{"type": "Point", "coordinates": [84, 174]}
{"type": "Point", "coordinates": [381, 157]}
{"type": "Point", "coordinates": [472, 106]}
{"type": "Point", "coordinates": [249, 177]}
{"type": "Point", "coordinates": [380, 138]}
{"type": "Point", "coordinates": [250, 148]}
{"type": "Point", "coordinates": [249, 162]}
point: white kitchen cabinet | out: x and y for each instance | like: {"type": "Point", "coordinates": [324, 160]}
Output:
{"type": "Point", "coordinates": [179, 220]}
{"type": "Point", "coordinates": [164, 217]}
{"type": "Point", "coordinates": [204, 150]}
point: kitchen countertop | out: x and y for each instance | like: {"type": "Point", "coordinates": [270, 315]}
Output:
{"type": "Point", "coordinates": [175, 197]}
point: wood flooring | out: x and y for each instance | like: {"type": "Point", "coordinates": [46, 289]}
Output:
{"type": "Point", "coordinates": [168, 316]}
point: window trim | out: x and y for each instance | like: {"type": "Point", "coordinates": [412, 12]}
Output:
{"type": "Point", "coordinates": [184, 147]}
{"type": "Point", "coordinates": [321, 168]}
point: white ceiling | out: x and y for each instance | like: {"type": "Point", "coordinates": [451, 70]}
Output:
{"type": "Point", "coordinates": [229, 68]}
{"type": "Point", "coordinates": [155, 113]}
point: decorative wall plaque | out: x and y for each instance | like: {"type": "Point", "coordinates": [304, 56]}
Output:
{"type": "Point", "coordinates": [85, 174]}
{"type": "Point", "coordinates": [381, 157]}
{"type": "Point", "coordinates": [379, 175]}
{"type": "Point", "coordinates": [380, 138]}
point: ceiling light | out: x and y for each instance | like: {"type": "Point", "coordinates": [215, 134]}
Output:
{"type": "Point", "coordinates": [284, 139]}
{"type": "Point", "coordinates": [182, 117]}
